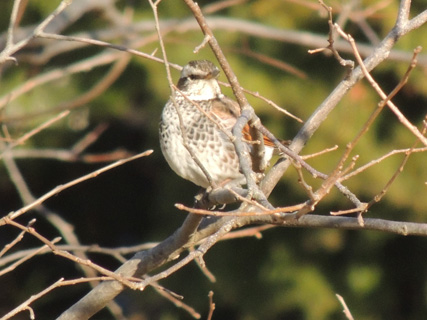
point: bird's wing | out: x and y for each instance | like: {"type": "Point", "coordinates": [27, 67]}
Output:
{"type": "Point", "coordinates": [228, 110]}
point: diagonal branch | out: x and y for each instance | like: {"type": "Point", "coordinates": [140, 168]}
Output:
{"type": "Point", "coordinates": [379, 54]}
{"type": "Point", "coordinates": [14, 214]}
{"type": "Point", "coordinates": [247, 112]}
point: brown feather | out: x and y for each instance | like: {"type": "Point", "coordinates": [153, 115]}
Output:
{"type": "Point", "coordinates": [228, 110]}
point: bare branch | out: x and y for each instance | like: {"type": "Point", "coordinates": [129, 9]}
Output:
{"type": "Point", "coordinates": [139, 265]}
{"type": "Point", "coordinates": [117, 253]}
{"type": "Point", "coordinates": [13, 266]}
{"type": "Point", "coordinates": [67, 255]}
{"type": "Point", "coordinates": [247, 113]}
{"type": "Point", "coordinates": [12, 48]}
{"type": "Point", "coordinates": [378, 197]}
{"type": "Point", "coordinates": [376, 161]}
{"type": "Point", "coordinates": [383, 96]}
{"type": "Point", "coordinates": [60, 188]}
{"type": "Point", "coordinates": [378, 55]}
{"type": "Point", "coordinates": [211, 305]}
{"type": "Point", "coordinates": [346, 310]}
{"type": "Point", "coordinates": [25, 305]}
{"type": "Point", "coordinates": [204, 233]}
{"type": "Point", "coordinates": [15, 241]}
{"type": "Point", "coordinates": [33, 132]}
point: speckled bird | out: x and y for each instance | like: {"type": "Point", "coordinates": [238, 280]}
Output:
{"type": "Point", "coordinates": [206, 118]}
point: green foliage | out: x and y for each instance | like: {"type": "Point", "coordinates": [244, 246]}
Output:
{"type": "Point", "coordinates": [297, 285]}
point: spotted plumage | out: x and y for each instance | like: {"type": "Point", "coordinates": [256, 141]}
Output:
{"type": "Point", "coordinates": [207, 117]}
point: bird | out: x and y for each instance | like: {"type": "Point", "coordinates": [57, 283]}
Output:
{"type": "Point", "coordinates": [195, 129]}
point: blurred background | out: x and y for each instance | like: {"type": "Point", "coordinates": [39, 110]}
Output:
{"type": "Point", "coordinates": [288, 273]}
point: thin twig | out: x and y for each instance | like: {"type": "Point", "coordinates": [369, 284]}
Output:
{"type": "Point", "coordinates": [13, 266]}
{"type": "Point", "coordinates": [178, 303]}
{"type": "Point", "coordinates": [66, 230]}
{"type": "Point", "coordinates": [12, 48]}
{"type": "Point", "coordinates": [12, 23]}
{"type": "Point", "coordinates": [381, 93]}
{"type": "Point", "coordinates": [204, 269]}
{"type": "Point", "coordinates": [34, 131]}
{"type": "Point", "coordinates": [316, 154]}
{"type": "Point", "coordinates": [301, 180]}
{"type": "Point", "coordinates": [399, 170]}
{"type": "Point", "coordinates": [60, 283]}
{"type": "Point", "coordinates": [280, 210]}
{"type": "Point", "coordinates": [89, 139]}
{"type": "Point", "coordinates": [221, 5]}
{"type": "Point", "coordinates": [58, 189]}
{"type": "Point", "coordinates": [297, 158]}
{"type": "Point", "coordinates": [379, 160]}
{"type": "Point", "coordinates": [248, 232]}
{"type": "Point", "coordinates": [346, 309]}
{"type": "Point", "coordinates": [117, 253]}
{"type": "Point", "coordinates": [25, 305]}
{"type": "Point", "coordinates": [345, 63]}
{"type": "Point", "coordinates": [69, 156]}
{"type": "Point", "coordinates": [201, 250]}
{"type": "Point", "coordinates": [211, 305]}
{"type": "Point", "coordinates": [175, 104]}
{"type": "Point", "coordinates": [247, 112]}
{"type": "Point", "coordinates": [55, 74]}
{"type": "Point", "coordinates": [18, 238]}
{"type": "Point", "coordinates": [67, 255]}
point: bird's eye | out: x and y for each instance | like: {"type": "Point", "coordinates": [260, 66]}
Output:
{"type": "Point", "coordinates": [192, 77]}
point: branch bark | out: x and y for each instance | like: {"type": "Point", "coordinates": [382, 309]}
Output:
{"type": "Point", "coordinates": [146, 261]}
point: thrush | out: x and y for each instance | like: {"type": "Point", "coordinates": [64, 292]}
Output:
{"type": "Point", "coordinates": [195, 129]}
